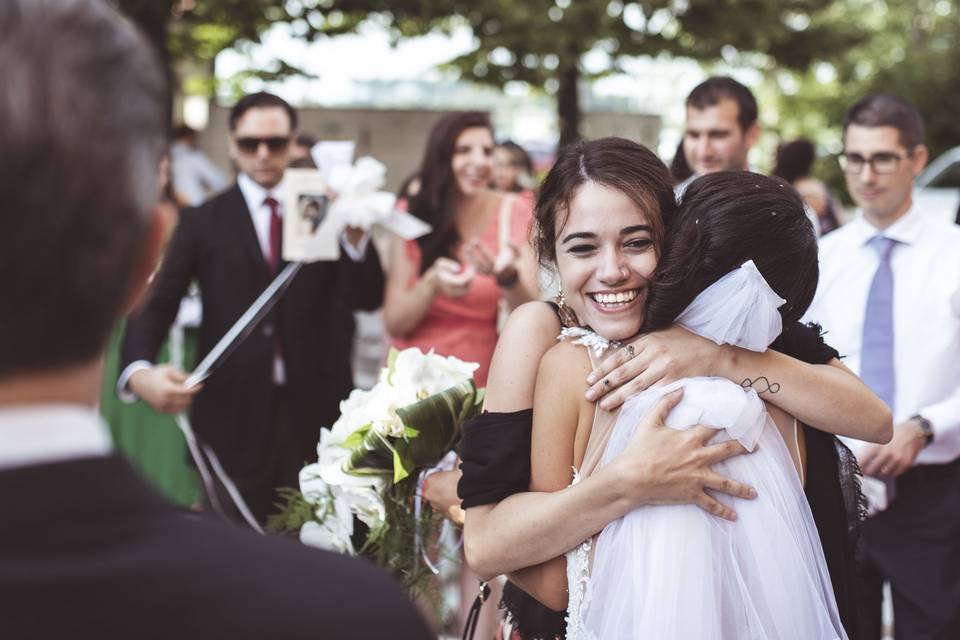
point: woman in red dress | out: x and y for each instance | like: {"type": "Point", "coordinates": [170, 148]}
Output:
{"type": "Point", "coordinates": [446, 290]}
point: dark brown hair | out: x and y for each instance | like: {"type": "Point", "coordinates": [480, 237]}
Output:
{"type": "Point", "coordinates": [886, 110]}
{"type": "Point", "coordinates": [714, 89]}
{"type": "Point", "coordinates": [83, 126]}
{"type": "Point", "coordinates": [436, 202]}
{"type": "Point", "coordinates": [617, 163]}
{"type": "Point", "coordinates": [723, 220]}
{"type": "Point", "coordinates": [794, 160]}
{"type": "Point", "coordinates": [261, 100]}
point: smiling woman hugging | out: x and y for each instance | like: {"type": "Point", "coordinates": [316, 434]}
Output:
{"type": "Point", "coordinates": [510, 525]}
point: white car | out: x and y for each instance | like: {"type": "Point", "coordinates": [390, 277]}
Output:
{"type": "Point", "coordinates": [938, 187]}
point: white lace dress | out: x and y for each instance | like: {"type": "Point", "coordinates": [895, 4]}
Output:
{"type": "Point", "coordinates": [679, 573]}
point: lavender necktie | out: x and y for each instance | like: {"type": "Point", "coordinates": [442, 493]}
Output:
{"type": "Point", "coordinates": [876, 355]}
{"type": "Point", "coordinates": [876, 358]}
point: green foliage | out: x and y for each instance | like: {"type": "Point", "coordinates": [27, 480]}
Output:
{"type": "Point", "coordinates": [543, 42]}
{"type": "Point", "coordinates": [293, 512]}
{"type": "Point", "coordinates": [910, 51]}
{"type": "Point", "coordinates": [393, 544]}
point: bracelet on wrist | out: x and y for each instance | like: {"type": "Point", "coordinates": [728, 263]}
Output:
{"type": "Point", "coordinates": [507, 279]}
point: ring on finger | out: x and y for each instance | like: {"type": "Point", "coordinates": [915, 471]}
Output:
{"type": "Point", "coordinates": [630, 350]}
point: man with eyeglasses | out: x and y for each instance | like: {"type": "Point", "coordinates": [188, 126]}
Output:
{"type": "Point", "coordinates": [889, 301]}
{"type": "Point", "coordinates": [262, 410]}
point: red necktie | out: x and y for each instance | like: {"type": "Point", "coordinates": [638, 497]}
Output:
{"type": "Point", "coordinates": [273, 260]}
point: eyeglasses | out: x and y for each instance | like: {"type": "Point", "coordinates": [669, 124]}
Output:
{"type": "Point", "coordinates": [852, 163]}
{"type": "Point", "coordinates": [274, 144]}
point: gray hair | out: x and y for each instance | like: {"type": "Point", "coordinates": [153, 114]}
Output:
{"type": "Point", "coordinates": [83, 124]}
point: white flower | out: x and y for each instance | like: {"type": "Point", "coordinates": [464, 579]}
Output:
{"type": "Point", "coordinates": [331, 463]}
{"type": "Point", "coordinates": [417, 375]}
{"type": "Point", "coordinates": [367, 504]}
{"type": "Point", "coordinates": [321, 536]}
{"type": "Point", "coordinates": [312, 486]}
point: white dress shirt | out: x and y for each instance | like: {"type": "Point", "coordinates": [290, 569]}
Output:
{"type": "Point", "coordinates": [47, 433]}
{"type": "Point", "coordinates": [926, 317]}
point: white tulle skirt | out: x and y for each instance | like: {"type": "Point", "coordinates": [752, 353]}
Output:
{"type": "Point", "coordinates": [679, 573]}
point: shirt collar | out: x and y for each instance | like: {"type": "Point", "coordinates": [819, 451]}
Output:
{"type": "Point", "coordinates": [906, 230]}
{"type": "Point", "coordinates": [254, 194]}
{"type": "Point", "coordinates": [41, 434]}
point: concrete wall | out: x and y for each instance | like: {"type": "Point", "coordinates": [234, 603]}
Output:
{"type": "Point", "coordinates": [396, 137]}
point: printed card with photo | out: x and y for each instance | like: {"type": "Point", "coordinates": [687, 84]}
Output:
{"type": "Point", "coordinates": [310, 234]}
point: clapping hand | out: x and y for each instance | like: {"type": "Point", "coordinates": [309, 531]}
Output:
{"type": "Point", "coordinates": [450, 277]}
{"type": "Point", "coordinates": [503, 267]}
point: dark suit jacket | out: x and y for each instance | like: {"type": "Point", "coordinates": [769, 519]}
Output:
{"type": "Point", "coordinates": [216, 244]}
{"type": "Point", "coordinates": [87, 550]}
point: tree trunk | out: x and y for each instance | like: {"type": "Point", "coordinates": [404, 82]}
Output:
{"type": "Point", "coordinates": [568, 101]}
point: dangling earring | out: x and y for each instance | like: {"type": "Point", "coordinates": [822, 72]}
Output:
{"type": "Point", "coordinates": [567, 317]}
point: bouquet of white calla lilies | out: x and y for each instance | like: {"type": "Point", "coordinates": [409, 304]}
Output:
{"type": "Point", "coordinates": [370, 457]}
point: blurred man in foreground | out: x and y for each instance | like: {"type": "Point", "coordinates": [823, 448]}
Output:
{"type": "Point", "coordinates": [86, 548]}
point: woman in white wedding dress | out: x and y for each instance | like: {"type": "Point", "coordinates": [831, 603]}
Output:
{"type": "Point", "coordinates": [674, 572]}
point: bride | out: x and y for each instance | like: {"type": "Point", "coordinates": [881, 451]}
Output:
{"type": "Point", "coordinates": [675, 572]}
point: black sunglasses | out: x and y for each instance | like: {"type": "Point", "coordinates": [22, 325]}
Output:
{"type": "Point", "coordinates": [274, 144]}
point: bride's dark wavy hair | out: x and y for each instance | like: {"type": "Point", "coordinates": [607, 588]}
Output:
{"type": "Point", "coordinates": [723, 220]}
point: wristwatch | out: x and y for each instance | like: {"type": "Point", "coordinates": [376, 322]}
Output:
{"type": "Point", "coordinates": [926, 428]}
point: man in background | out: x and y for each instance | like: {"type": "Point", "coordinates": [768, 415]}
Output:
{"type": "Point", "coordinates": [889, 301]}
{"type": "Point", "coordinates": [87, 549]}
{"type": "Point", "coordinates": [261, 410]}
{"type": "Point", "coordinates": [194, 177]}
{"type": "Point", "coordinates": [721, 128]}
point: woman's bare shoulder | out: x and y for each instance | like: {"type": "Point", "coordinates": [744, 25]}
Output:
{"type": "Point", "coordinates": [535, 318]}
{"type": "Point", "coordinates": [565, 360]}
{"type": "Point", "coordinates": [531, 329]}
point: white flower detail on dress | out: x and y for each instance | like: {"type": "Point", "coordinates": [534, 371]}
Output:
{"type": "Point", "coordinates": [583, 336]}
{"type": "Point", "coordinates": [578, 583]}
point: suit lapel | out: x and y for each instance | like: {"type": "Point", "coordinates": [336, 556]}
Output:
{"type": "Point", "coordinates": [243, 222]}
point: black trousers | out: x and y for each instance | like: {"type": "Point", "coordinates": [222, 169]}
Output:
{"type": "Point", "coordinates": [915, 545]}
{"type": "Point", "coordinates": [280, 468]}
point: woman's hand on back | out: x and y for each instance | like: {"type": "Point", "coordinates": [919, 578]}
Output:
{"type": "Point", "coordinates": [659, 357]}
{"type": "Point", "coordinates": [661, 465]}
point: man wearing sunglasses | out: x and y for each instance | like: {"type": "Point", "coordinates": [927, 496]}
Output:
{"type": "Point", "coordinates": [889, 300]}
{"type": "Point", "coordinates": [262, 410]}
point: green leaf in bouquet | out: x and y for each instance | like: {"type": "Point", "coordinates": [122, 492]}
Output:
{"type": "Point", "coordinates": [355, 439]}
{"type": "Point", "coordinates": [391, 363]}
{"type": "Point", "coordinates": [372, 456]}
{"type": "Point", "coordinates": [437, 418]}
{"type": "Point", "coordinates": [401, 467]}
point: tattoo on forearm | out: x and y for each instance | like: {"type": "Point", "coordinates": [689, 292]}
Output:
{"type": "Point", "coordinates": [761, 385]}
